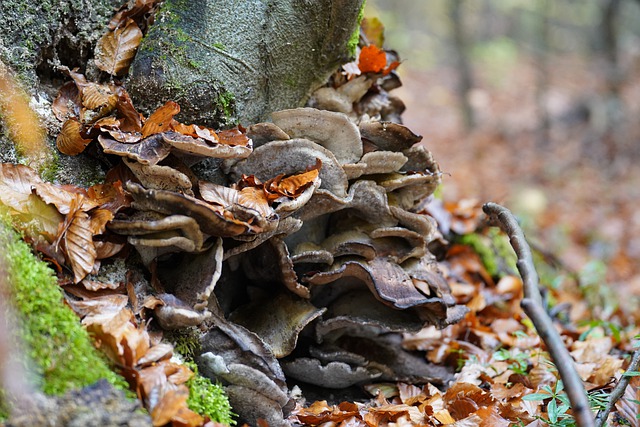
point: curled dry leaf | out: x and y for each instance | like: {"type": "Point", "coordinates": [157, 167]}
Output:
{"type": "Point", "coordinates": [70, 140]}
{"type": "Point", "coordinates": [160, 120]}
{"type": "Point", "coordinates": [68, 103]}
{"type": "Point", "coordinates": [99, 97]}
{"type": "Point", "coordinates": [116, 49]}
{"type": "Point", "coordinates": [234, 136]}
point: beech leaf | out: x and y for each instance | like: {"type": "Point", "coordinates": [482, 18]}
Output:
{"type": "Point", "coordinates": [116, 49]}
{"type": "Point", "coordinates": [160, 120]}
{"type": "Point", "coordinates": [16, 182]}
{"type": "Point", "coordinates": [78, 241]}
{"type": "Point", "coordinates": [70, 141]}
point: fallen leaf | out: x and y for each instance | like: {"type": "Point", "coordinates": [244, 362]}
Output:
{"type": "Point", "coordinates": [68, 103]}
{"type": "Point", "coordinates": [70, 140]}
{"type": "Point", "coordinates": [116, 49]}
{"type": "Point", "coordinates": [160, 120]}
{"type": "Point", "coordinates": [234, 136]}
{"type": "Point", "coordinates": [16, 183]}
{"type": "Point", "coordinates": [77, 239]}
{"type": "Point", "coordinates": [61, 198]}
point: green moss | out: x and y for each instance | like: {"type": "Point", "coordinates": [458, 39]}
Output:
{"type": "Point", "coordinates": [352, 44]}
{"type": "Point", "coordinates": [207, 398]}
{"type": "Point", "coordinates": [186, 342]}
{"type": "Point", "coordinates": [58, 346]}
{"type": "Point", "coordinates": [227, 103]}
{"type": "Point", "coordinates": [494, 250]}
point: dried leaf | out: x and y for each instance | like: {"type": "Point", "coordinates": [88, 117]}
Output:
{"type": "Point", "coordinates": [294, 185]}
{"type": "Point", "coordinates": [131, 120]}
{"type": "Point", "coordinates": [116, 49]}
{"type": "Point", "coordinates": [233, 137]}
{"type": "Point", "coordinates": [62, 198]}
{"type": "Point", "coordinates": [16, 183]}
{"type": "Point", "coordinates": [160, 120]}
{"type": "Point", "coordinates": [109, 196]}
{"type": "Point", "coordinates": [99, 97]}
{"type": "Point", "coordinates": [67, 104]}
{"type": "Point", "coordinates": [70, 140]}
{"type": "Point", "coordinates": [99, 220]}
{"type": "Point", "coordinates": [77, 238]}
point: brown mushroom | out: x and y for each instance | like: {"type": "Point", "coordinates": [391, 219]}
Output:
{"type": "Point", "coordinates": [277, 320]}
{"type": "Point", "coordinates": [293, 156]}
{"type": "Point", "coordinates": [333, 131]}
{"type": "Point", "coordinates": [388, 136]}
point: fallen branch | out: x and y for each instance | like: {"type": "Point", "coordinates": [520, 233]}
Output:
{"type": "Point", "coordinates": [618, 390]}
{"type": "Point", "coordinates": [532, 305]}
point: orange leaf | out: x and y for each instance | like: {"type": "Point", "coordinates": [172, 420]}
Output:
{"type": "Point", "coordinates": [292, 186]}
{"type": "Point", "coordinates": [233, 137]}
{"type": "Point", "coordinates": [99, 220]}
{"type": "Point", "coordinates": [372, 59]}
{"type": "Point", "coordinates": [160, 120]}
{"type": "Point", "coordinates": [70, 140]}
{"type": "Point", "coordinates": [256, 199]}
{"type": "Point", "coordinates": [116, 49]}
{"type": "Point", "coordinates": [96, 96]}
{"type": "Point", "coordinates": [169, 405]}
{"type": "Point", "coordinates": [109, 196]}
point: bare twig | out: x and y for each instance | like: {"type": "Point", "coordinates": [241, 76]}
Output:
{"type": "Point", "coordinates": [534, 308]}
{"type": "Point", "coordinates": [618, 390]}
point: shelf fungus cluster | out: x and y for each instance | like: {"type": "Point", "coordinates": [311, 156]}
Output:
{"type": "Point", "coordinates": [297, 250]}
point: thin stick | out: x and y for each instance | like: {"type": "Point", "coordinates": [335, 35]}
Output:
{"type": "Point", "coordinates": [534, 308]}
{"type": "Point", "coordinates": [618, 390]}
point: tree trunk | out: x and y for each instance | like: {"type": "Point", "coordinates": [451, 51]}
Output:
{"type": "Point", "coordinates": [463, 67]}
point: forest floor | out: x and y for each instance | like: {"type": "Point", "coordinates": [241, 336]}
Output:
{"type": "Point", "coordinates": [576, 196]}
{"type": "Point", "coordinates": [575, 199]}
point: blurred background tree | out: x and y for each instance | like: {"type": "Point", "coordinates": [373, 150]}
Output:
{"type": "Point", "coordinates": [533, 103]}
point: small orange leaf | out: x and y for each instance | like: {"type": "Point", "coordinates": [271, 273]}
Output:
{"type": "Point", "coordinates": [293, 185]}
{"type": "Point", "coordinates": [160, 120]}
{"type": "Point", "coordinates": [116, 49]}
{"type": "Point", "coordinates": [372, 59]}
{"type": "Point", "coordinates": [234, 137]}
{"type": "Point", "coordinates": [99, 220]}
{"type": "Point", "coordinates": [70, 140]}
{"type": "Point", "coordinates": [109, 196]}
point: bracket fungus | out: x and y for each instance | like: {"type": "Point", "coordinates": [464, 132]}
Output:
{"type": "Point", "coordinates": [295, 247]}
